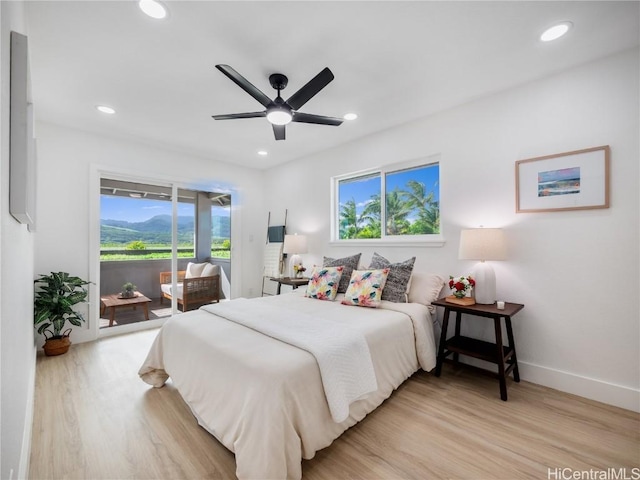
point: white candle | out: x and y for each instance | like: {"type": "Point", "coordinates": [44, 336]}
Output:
{"type": "Point", "coordinates": [500, 305]}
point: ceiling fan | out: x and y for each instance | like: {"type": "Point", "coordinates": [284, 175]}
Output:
{"type": "Point", "coordinates": [278, 111]}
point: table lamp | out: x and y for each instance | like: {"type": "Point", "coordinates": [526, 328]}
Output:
{"type": "Point", "coordinates": [295, 245]}
{"type": "Point", "coordinates": [483, 244]}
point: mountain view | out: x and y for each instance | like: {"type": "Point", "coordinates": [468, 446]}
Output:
{"type": "Point", "coordinates": [157, 230]}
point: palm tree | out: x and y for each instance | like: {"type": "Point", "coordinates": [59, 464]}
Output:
{"type": "Point", "coordinates": [428, 209]}
{"type": "Point", "coordinates": [397, 211]}
{"type": "Point", "coordinates": [370, 217]}
{"type": "Point", "coordinates": [349, 220]}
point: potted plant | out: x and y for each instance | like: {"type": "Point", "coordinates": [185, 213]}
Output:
{"type": "Point", "coordinates": [128, 290]}
{"type": "Point", "coordinates": [54, 301]}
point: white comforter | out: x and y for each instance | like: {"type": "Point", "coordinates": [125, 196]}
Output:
{"type": "Point", "coordinates": [263, 398]}
{"type": "Point", "coordinates": [342, 352]}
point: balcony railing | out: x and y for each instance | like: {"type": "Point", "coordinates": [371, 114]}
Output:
{"type": "Point", "coordinates": [122, 254]}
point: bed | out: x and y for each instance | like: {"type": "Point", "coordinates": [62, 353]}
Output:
{"type": "Point", "coordinates": [264, 399]}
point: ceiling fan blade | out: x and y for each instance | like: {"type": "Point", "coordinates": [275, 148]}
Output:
{"type": "Point", "coordinates": [278, 131]}
{"type": "Point", "coordinates": [244, 84]}
{"type": "Point", "coordinates": [317, 119]}
{"type": "Point", "coordinates": [232, 116]}
{"type": "Point", "coordinates": [307, 92]}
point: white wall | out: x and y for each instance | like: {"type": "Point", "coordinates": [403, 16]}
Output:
{"type": "Point", "coordinates": [17, 350]}
{"type": "Point", "coordinates": [579, 331]}
{"type": "Point", "coordinates": [68, 189]}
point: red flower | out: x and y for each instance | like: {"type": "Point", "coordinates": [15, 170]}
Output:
{"type": "Point", "coordinates": [451, 283]}
{"type": "Point", "coordinates": [459, 286]}
{"type": "Point", "coordinates": [472, 282]}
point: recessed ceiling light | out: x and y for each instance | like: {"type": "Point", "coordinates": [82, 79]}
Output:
{"type": "Point", "coordinates": [556, 31]}
{"type": "Point", "coordinates": [350, 116]}
{"type": "Point", "coordinates": [105, 109]}
{"type": "Point", "coordinates": [153, 8]}
{"type": "Point", "coordinates": [263, 153]}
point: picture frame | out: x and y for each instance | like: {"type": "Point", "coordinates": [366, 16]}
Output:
{"type": "Point", "coordinates": [576, 180]}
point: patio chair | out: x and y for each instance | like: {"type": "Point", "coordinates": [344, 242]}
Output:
{"type": "Point", "coordinates": [197, 285]}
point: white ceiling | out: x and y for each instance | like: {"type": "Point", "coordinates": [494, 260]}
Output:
{"type": "Point", "coordinates": [393, 62]}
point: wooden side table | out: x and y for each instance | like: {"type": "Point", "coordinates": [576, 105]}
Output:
{"type": "Point", "coordinates": [114, 301]}
{"type": "Point", "coordinates": [504, 356]}
{"type": "Point", "coordinates": [293, 282]}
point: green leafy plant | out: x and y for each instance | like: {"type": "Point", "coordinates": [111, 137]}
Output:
{"type": "Point", "coordinates": [136, 245]}
{"type": "Point", "coordinates": [128, 290]}
{"type": "Point", "coordinates": [54, 301]}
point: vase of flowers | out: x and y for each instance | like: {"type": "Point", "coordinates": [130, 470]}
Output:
{"type": "Point", "coordinates": [298, 270]}
{"type": "Point", "coordinates": [460, 286]}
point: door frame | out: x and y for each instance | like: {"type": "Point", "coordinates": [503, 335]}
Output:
{"type": "Point", "coordinates": [97, 172]}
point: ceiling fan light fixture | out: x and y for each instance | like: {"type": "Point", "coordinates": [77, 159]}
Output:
{"type": "Point", "coordinates": [279, 115]}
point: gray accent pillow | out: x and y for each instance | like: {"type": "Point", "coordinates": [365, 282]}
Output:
{"type": "Point", "coordinates": [349, 263]}
{"type": "Point", "coordinates": [395, 290]}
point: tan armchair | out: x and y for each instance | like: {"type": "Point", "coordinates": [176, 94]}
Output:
{"type": "Point", "coordinates": [192, 292]}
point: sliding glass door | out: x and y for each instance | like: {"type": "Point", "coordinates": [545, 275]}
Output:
{"type": "Point", "coordinates": [145, 235]}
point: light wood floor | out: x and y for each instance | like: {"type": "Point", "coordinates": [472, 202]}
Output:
{"type": "Point", "coordinates": [95, 419]}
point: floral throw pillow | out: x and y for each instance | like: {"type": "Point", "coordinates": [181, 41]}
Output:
{"type": "Point", "coordinates": [365, 288]}
{"type": "Point", "coordinates": [349, 263]}
{"type": "Point", "coordinates": [324, 283]}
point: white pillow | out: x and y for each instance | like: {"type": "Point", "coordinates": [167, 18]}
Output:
{"type": "Point", "coordinates": [425, 287]}
{"type": "Point", "coordinates": [210, 270]}
{"type": "Point", "coordinates": [194, 269]}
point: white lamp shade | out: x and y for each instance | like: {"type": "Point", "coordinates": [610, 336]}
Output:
{"type": "Point", "coordinates": [295, 244]}
{"type": "Point", "coordinates": [482, 244]}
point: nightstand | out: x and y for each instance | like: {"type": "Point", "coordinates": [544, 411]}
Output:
{"type": "Point", "coordinates": [293, 282]}
{"type": "Point", "coordinates": [504, 356]}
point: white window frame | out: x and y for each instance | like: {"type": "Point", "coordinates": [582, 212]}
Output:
{"type": "Point", "coordinates": [428, 240]}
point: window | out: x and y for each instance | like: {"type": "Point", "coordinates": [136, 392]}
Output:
{"type": "Point", "coordinates": [221, 226]}
{"type": "Point", "coordinates": [135, 221]}
{"type": "Point", "coordinates": [398, 202]}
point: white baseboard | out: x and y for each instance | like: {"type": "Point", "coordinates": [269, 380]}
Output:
{"type": "Point", "coordinates": [25, 452]}
{"type": "Point", "coordinates": [609, 393]}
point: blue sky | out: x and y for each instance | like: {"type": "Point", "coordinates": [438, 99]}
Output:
{"type": "Point", "coordinates": [361, 191]}
{"type": "Point", "coordinates": [559, 175]}
{"type": "Point", "coordinates": [140, 209]}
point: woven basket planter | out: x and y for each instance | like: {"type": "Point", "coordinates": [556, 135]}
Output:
{"type": "Point", "coordinates": [57, 345]}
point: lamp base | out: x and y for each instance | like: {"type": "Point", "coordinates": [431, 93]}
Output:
{"type": "Point", "coordinates": [485, 289]}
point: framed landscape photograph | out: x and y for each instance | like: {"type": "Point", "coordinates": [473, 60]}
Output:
{"type": "Point", "coordinates": [577, 180]}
